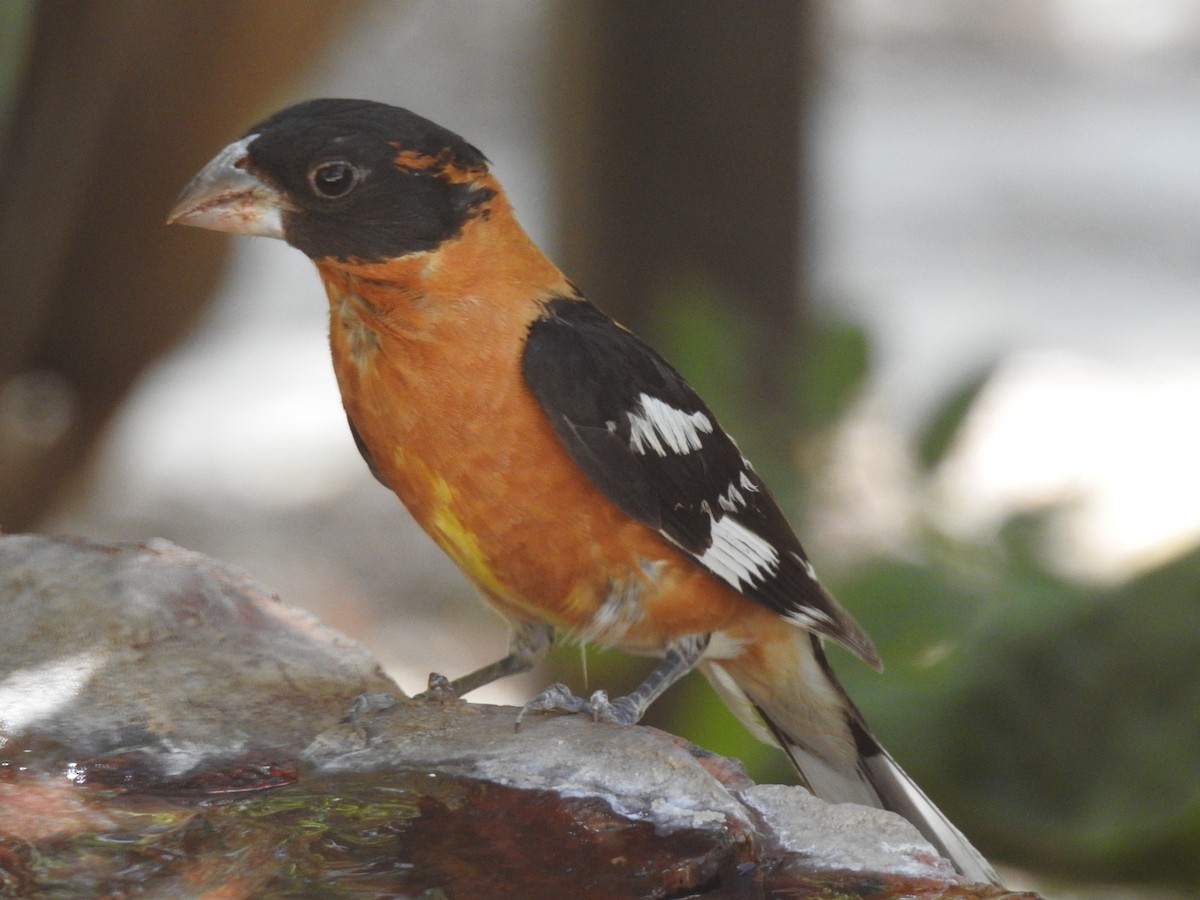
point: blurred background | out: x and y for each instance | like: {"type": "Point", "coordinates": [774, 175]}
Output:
{"type": "Point", "coordinates": [935, 264]}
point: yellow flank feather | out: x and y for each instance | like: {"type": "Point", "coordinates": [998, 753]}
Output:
{"type": "Point", "coordinates": [445, 527]}
{"type": "Point", "coordinates": [458, 541]}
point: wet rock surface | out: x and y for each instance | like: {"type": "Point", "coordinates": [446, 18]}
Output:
{"type": "Point", "coordinates": [163, 655]}
{"type": "Point", "coordinates": [169, 728]}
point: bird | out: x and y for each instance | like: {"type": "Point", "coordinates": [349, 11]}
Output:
{"type": "Point", "coordinates": [568, 469]}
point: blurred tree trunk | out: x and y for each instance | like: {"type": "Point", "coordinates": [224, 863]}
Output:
{"type": "Point", "coordinates": [680, 142]}
{"type": "Point", "coordinates": [120, 104]}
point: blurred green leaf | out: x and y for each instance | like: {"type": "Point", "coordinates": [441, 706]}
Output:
{"type": "Point", "coordinates": [704, 332]}
{"type": "Point", "coordinates": [1089, 731]}
{"type": "Point", "coordinates": [831, 371]}
{"type": "Point", "coordinates": [938, 436]}
{"type": "Point", "coordinates": [697, 328]}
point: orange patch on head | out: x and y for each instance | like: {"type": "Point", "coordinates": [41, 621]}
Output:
{"type": "Point", "coordinates": [440, 165]}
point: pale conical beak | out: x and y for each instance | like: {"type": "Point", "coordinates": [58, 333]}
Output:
{"type": "Point", "coordinates": [225, 196]}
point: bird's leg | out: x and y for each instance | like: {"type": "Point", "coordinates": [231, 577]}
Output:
{"type": "Point", "coordinates": [681, 657]}
{"type": "Point", "coordinates": [527, 644]}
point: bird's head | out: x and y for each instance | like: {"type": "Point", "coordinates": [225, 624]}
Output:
{"type": "Point", "coordinates": [347, 180]}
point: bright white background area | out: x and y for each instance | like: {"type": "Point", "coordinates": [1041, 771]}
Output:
{"type": "Point", "coordinates": [1009, 182]}
{"type": "Point", "coordinates": [1017, 183]}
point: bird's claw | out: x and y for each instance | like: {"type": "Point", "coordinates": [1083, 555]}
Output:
{"type": "Point", "coordinates": [371, 701]}
{"type": "Point", "coordinates": [368, 703]}
{"type": "Point", "coordinates": [439, 690]}
{"type": "Point", "coordinates": [622, 711]}
{"type": "Point", "coordinates": [558, 698]}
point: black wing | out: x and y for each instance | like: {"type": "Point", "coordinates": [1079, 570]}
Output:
{"type": "Point", "coordinates": [365, 453]}
{"type": "Point", "coordinates": [645, 438]}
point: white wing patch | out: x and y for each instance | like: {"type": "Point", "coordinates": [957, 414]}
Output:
{"type": "Point", "coordinates": [809, 617]}
{"type": "Point", "coordinates": [737, 554]}
{"type": "Point", "coordinates": [808, 567]}
{"type": "Point", "coordinates": [732, 500]}
{"type": "Point", "coordinates": [661, 427]}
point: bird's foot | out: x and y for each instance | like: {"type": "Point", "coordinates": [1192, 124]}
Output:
{"type": "Point", "coordinates": [440, 690]}
{"type": "Point", "coordinates": [367, 703]}
{"type": "Point", "coordinates": [558, 697]}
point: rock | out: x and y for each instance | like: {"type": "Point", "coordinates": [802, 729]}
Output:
{"type": "Point", "coordinates": [843, 836]}
{"type": "Point", "coordinates": [641, 773]}
{"type": "Point", "coordinates": [154, 650]}
{"type": "Point", "coordinates": [223, 717]}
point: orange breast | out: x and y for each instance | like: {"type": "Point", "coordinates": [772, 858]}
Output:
{"type": "Point", "coordinates": [432, 382]}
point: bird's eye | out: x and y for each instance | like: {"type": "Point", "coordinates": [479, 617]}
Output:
{"type": "Point", "coordinates": [334, 180]}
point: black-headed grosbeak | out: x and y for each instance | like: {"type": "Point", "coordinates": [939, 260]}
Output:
{"type": "Point", "coordinates": [566, 467]}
